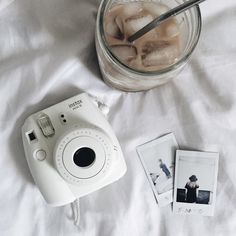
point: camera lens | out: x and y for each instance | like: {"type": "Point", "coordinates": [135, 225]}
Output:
{"type": "Point", "coordinates": [84, 157]}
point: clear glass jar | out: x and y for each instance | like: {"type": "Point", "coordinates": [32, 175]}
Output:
{"type": "Point", "coordinates": [122, 77]}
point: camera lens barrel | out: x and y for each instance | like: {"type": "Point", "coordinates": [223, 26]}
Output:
{"type": "Point", "coordinates": [84, 157]}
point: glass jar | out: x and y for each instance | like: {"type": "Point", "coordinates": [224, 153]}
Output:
{"type": "Point", "coordinates": [119, 75]}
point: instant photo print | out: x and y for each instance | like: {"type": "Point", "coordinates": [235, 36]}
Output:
{"type": "Point", "coordinates": [158, 157]}
{"type": "Point", "coordinates": [195, 182]}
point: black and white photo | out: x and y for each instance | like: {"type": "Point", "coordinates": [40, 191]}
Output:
{"type": "Point", "coordinates": [157, 157]}
{"type": "Point", "coordinates": [195, 182]}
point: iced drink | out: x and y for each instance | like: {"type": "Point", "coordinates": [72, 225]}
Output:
{"type": "Point", "coordinates": [155, 50]}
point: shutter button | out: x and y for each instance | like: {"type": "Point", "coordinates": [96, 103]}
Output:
{"type": "Point", "coordinates": [40, 155]}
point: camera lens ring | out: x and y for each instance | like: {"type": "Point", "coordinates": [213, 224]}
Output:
{"type": "Point", "coordinates": [100, 143]}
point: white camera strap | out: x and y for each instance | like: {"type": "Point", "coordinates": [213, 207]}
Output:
{"type": "Point", "coordinates": [76, 211]}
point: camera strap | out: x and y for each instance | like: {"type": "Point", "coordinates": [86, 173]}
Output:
{"type": "Point", "coordinates": [76, 211]}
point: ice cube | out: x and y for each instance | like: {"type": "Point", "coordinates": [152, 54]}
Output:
{"type": "Point", "coordinates": [171, 28]}
{"type": "Point", "coordinates": [136, 63]}
{"type": "Point", "coordinates": [135, 23]}
{"type": "Point", "coordinates": [159, 53]}
{"type": "Point", "coordinates": [125, 53]}
{"type": "Point", "coordinates": [151, 46]}
{"type": "Point", "coordinates": [141, 42]}
{"type": "Point", "coordinates": [115, 10]}
{"type": "Point", "coordinates": [119, 24]}
{"type": "Point", "coordinates": [156, 9]}
{"type": "Point", "coordinates": [113, 24]}
{"type": "Point", "coordinates": [114, 41]}
{"type": "Point", "coordinates": [131, 9]}
{"type": "Point", "coordinates": [112, 29]}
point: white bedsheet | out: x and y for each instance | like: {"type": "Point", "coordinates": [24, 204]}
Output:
{"type": "Point", "coordinates": [47, 54]}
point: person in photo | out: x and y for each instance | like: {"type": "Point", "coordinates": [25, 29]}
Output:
{"type": "Point", "coordinates": [154, 177]}
{"type": "Point", "coordinates": [191, 187]}
{"type": "Point", "coordinates": [164, 168]}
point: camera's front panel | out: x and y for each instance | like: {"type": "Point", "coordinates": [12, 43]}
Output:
{"type": "Point", "coordinates": [71, 150]}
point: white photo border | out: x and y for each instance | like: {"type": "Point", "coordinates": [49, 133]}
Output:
{"type": "Point", "coordinates": [166, 198]}
{"type": "Point", "coordinates": [190, 208]}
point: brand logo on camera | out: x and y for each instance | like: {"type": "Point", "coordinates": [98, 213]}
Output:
{"type": "Point", "coordinates": [75, 105]}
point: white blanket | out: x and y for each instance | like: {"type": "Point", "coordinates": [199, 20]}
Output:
{"type": "Point", "coordinates": [47, 54]}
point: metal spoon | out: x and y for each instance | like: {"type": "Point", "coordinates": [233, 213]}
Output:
{"type": "Point", "coordinates": [163, 17]}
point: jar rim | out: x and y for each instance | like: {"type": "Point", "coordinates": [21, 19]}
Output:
{"type": "Point", "coordinates": [106, 47]}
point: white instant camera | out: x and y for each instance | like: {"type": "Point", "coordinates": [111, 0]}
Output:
{"type": "Point", "coordinates": [71, 150]}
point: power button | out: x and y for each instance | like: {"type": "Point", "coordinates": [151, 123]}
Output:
{"type": "Point", "coordinates": [40, 155]}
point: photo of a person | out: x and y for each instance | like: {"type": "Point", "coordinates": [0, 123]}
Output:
{"type": "Point", "coordinates": [158, 157]}
{"type": "Point", "coordinates": [195, 182]}
{"type": "Point", "coordinates": [191, 187]}
{"type": "Point", "coordinates": [164, 168]}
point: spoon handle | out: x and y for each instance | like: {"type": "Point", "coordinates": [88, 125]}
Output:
{"type": "Point", "coordinates": [163, 17]}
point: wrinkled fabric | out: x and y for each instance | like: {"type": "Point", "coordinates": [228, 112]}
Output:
{"type": "Point", "coordinates": [47, 54]}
